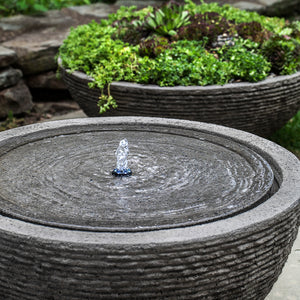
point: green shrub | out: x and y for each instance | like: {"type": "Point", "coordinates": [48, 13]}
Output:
{"type": "Point", "coordinates": [90, 49]}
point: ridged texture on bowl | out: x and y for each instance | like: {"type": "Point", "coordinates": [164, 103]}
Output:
{"type": "Point", "coordinates": [260, 108]}
{"type": "Point", "coordinates": [242, 266]}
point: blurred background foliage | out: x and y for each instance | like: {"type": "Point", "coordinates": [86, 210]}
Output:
{"type": "Point", "coordinates": [32, 7]}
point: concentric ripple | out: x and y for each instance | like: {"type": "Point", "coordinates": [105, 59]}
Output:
{"type": "Point", "coordinates": [66, 181]}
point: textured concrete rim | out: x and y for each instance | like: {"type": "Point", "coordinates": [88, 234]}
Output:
{"type": "Point", "coordinates": [240, 85]}
{"type": "Point", "coordinates": [286, 165]}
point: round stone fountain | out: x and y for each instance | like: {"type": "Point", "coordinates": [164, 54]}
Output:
{"type": "Point", "coordinates": [208, 212]}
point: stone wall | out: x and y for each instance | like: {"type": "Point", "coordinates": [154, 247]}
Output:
{"type": "Point", "coordinates": [28, 45]}
{"type": "Point", "coordinates": [14, 93]}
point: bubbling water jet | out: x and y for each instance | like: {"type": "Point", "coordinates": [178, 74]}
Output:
{"type": "Point", "coordinates": [122, 163]}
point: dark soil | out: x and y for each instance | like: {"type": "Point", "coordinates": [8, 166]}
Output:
{"type": "Point", "coordinates": [42, 111]}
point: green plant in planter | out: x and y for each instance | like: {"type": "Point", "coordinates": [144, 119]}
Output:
{"type": "Point", "coordinates": [246, 63]}
{"type": "Point", "coordinates": [168, 19]}
{"type": "Point", "coordinates": [181, 45]}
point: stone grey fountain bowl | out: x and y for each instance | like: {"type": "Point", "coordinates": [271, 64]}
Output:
{"type": "Point", "coordinates": [209, 212]}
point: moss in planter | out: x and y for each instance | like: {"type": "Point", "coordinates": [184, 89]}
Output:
{"type": "Point", "coordinates": [125, 47]}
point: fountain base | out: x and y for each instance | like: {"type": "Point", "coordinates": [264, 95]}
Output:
{"type": "Point", "coordinates": [119, 173]}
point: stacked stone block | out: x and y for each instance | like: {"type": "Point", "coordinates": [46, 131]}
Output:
{"type": "Point", "coordinates": [31, 44]}
{"type": "Point", "coordinates": [15, 96]}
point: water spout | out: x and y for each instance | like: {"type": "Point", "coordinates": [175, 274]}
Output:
{"type": "Point", "coordinates": [122, 163]}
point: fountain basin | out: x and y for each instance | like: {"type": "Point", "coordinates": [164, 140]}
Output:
{"type": "Point", "coordinates": [209, 212]}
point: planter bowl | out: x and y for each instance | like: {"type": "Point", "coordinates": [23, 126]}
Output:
{"type": "Point", "coordinates": [71, 230]}
{"type": "Point", "coordinates": [260, 108]}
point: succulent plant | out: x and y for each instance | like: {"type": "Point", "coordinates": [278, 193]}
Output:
{"type": "Point", "coordinates": [167, 19]}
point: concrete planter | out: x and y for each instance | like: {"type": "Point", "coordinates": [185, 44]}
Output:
{"type": "Point", "coordinates": [72, 239]}
{"type": "Point", "coordinates": [260, 108]}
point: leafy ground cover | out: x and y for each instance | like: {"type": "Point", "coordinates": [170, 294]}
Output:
{"type": "Point", "coordinates": [13, 7]}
